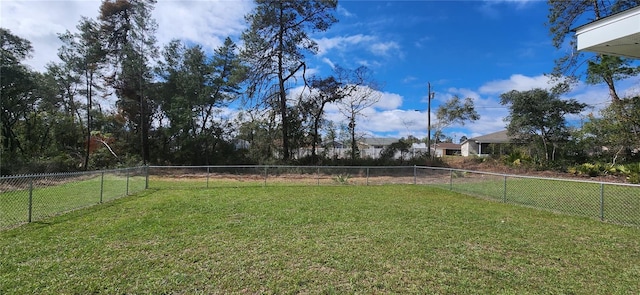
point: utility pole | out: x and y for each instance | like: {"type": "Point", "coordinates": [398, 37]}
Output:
{"type": "Point", "coordinates": [429, 97]}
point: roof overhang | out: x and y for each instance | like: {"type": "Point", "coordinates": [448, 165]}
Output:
{"type": "Point", "coordinates": [618, 34]}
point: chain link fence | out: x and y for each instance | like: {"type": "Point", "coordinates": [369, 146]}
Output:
{"type": "Point", "coordinates": [34, 197]}
{"type": "Point", "coordinates": [29, 198]}
{"type": "Point", "coordinates": [611, 202]}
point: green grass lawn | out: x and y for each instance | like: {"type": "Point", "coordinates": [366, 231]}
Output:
{"type": "Point", "coordinates": [317, 239]}
{"type": "Point", "coordinates": [61, 196]}
{"type": "Point", "coordinates": [609, 202]}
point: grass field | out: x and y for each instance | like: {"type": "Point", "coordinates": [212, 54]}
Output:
{"type": "Point", "coordinates": [318, 239]}
{"type": "Point", "coordinates": [610, 202]}
{"type": "Point", "coordinates": [61, 196]}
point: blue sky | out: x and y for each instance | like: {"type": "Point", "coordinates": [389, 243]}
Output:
{"type": "Point", "coordinates": [478, 49]}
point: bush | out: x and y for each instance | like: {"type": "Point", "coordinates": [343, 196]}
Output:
{"type": "Point", "coordinates": [631, 171]}
{"type": "Point", "coordinates": [517, 158]}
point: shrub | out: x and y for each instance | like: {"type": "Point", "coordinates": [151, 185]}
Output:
{"type": "Point", "coordinates": [342, 178]}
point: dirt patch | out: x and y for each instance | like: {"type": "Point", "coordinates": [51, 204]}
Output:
{"type": "Point", "coordinates": [495, 166]}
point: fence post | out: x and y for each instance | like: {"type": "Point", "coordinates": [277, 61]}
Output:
{"type": "Point", "coordinates": [146, 177]}
{"type": "Point", "coordinates": [602, 201]}
{"type": "Point", "coordinates": [318, 175]}
{"type": "Point", "coordinates": [208, 176]}
{"type": "Point", "coordinates": [127, 190]}
{"type": "Point", "coordinates": [450, 179]}
{"type": "Point", "coordinates": [415, 176]}
{"type": "Point", "coordinates": [101, 186]}
{"type": "Point", "coordinates": [367, 175]}
{"type": "Point", "coordinates": [504, 190]}
{"type": "Point", "coordinates": [265, 175]}
{"type": "Point", "coordinates": [30, 199]}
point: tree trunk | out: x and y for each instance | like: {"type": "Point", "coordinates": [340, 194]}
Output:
{"type": "Point", "coordinates": [282, 95]}
{"type": "Point", "coordinates": [612, 89]}
{"type": "Point", "coordinates": [89, 80]}
{"type": "Point", "coordinates": [314, 144]}
{"type": "Point", "coordinates": [352, 127]}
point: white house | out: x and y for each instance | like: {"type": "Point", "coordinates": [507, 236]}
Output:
{"type": "Point", "coordinates": [482, 145]}
{"type": "Point", "coordinates": [442, 149]}
{"type": "Point", "coordinates": [617, 34]}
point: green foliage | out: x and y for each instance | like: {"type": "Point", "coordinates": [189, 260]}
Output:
{"type": "Point", "coordinates": [342, 178]}
{"type": "Point", "coordinates": [616, 132]}
{"type": "Point", "coordinates": [589, 169]}
{"type": "Point", "coordinates": [459, 174]}
{"type": "Point", "coordinates": [128, 31]}
{"type": "Point", "coordinates": [607, 68]}
{"type": "Point", "coordinates": [517, 158]}
{"type": "Point", "coordinates": [538, 117]}
{"type": "Point", "coordinates": [275, 44]}
{"type": "Point", "coordinates": [194, 89]}
{"type": "Point", "coordinates": [454, 111]}
{"type": "Point", "coordinates": [401, 146]}
{"type": "Point", "coordinates": [631, 171]}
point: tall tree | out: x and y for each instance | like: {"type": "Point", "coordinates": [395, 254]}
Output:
{"type": "Point", "coordinates": [539, 116]}
{"type": "Point", "coordinates": [563, 17]}
{"type": "Point", "coordinates": [129, 29]}
{"type": "Point", "coordinates": [17, 83]}
{"type": "Point", "coordinates": [275, 46]}
{"type": "Point", "coordinates": [84, 54]}
{"type": "Point", "coordinates": [59, 106]}
{"type": "Point", "coordinates": [455, 111]}
{"type": "Point", "coordinates": [362, 94]}
{"type": "Point", "coordinates": [193, 89]}
{"type": "Point", "coordinates": [617, 129]}
{"type": "Point", "coordinates": [256, 132]}
{"type": "Point", "coordinates": [609, 69]}
{"type": "Point", "coordinates": [323, 91]}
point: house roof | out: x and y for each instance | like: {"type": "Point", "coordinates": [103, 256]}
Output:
{"type": "Point", "coordinates": [331, 143]}
{"type": "Point", "coordinates": [496, 137]}
{"type": "Point", "coordinates": [383, 141]}
{"type": "Point", "coordinates": [617, 34]}
{"type": "Point", "coordinates": [447, 146]}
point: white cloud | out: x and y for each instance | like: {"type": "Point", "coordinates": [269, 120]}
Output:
{"type": "Point", "coordinates": [328, 62]}
{"type": "Point", "coordinates": [409, 79]}
{"type": "Point", "coordinates": [388, 101]}
{"type": "Point", "coordinates": [41, 21]}
{"type": "Point", "coordinates": [519, 3]}
{"type": "Point", "coordinates": [384, 48]}
{"type": "Point", "coordinates": [203, 22]}
{"type": "Point", "coordinates": [394, 121]}
{"type": "Point", "coordinates": [341, 43]}
{"type": "Point", "coordinates": [356, 42]}
{"type": "Point", "coordinates": [343, 11]}
{"type": "Point", "coordinates": [488, 8]}
{"type": "Point", "coordinates": [516, 82]}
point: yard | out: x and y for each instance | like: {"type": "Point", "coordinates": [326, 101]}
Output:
{"type": "Point", "coordinates": [317, 239]}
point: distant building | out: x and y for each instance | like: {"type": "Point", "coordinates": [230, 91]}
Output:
{"type": "Point", "coordinates": [371, 147]}
{"type": "Point", "coordinates": [446, 149]}
{"type": "Point", "coordinates": [491, 143]}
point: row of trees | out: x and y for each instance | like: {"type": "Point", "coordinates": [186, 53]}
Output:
{"type": "Point", "coordinates": [116, 97]}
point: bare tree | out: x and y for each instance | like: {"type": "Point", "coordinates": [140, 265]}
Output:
{"type": "Point", "coordinates": [362, 94]}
